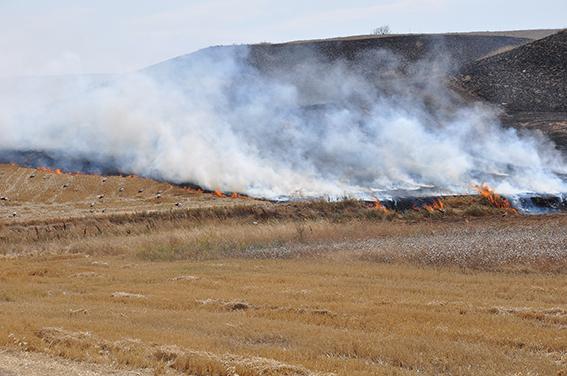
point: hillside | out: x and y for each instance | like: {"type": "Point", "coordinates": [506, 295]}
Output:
{"type": "Point", "coordinates": [415, 62]}
{"type": "Point", "coordinates": [359, 52]}
{"type": "Point", "coordinates": [27, 194]}
{"type": "Point", "coordinates": [461, 49]}
{"type": "Point", "coordinates": [531, 34]}
{"type": "Point", "coordinates": [532, 77]}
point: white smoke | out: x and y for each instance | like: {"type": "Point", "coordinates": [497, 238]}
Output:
{"type": "Point", "coordinates": [313, 129]}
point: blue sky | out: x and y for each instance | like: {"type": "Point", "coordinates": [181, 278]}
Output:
{"type": "Point", "coordinates": [40, 37]}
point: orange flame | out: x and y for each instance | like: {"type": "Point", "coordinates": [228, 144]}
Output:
{"type": "Point", "coordinates": [436, 205]}
{"type": "Point", "coordinates": [493, 198]}
{"type": "Point", "coordinates": [378, 206]}
{"type": "Point", "coordinates": [218, 193]}
{"type": "Point", "coordinates": [234, 195]}
{"type": "Point", "coordinates": [47, 170]}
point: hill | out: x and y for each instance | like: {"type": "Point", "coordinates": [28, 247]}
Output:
{"type": "Point", "coordinates": [532, 77]}
{"type": "Point", "coordinates": [28, 194]}
{"type": "Point", "coordinates": [359, 52]}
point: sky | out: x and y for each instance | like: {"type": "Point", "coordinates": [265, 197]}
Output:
{"type": "Point", "coordinates": [52, 37]}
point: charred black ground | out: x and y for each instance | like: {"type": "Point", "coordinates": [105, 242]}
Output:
{"type": "Point", "coordinates": [531, 77]}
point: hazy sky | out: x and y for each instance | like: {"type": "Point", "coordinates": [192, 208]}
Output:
{"type": "Point", "coordinates": [40, 37]}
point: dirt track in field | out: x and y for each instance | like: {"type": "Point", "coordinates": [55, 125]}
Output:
{"type": "Point", "coordinates": [18, 363]}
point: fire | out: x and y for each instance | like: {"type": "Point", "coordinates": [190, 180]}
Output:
{"type": "Point", "coordinates": [234, 195]}
{"type": "Point", "coordinates": [47, 170]}
{"type": "Point", "coordinates": [436, 205]}
{"type": "Point", "coordinates": [378, 205]}
{"type": "Point", "coordinates": [494, 198]}
{"type": "Point", "coordinates": [218, 193]}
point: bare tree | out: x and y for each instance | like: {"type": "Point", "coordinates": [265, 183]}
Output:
{"type": "Point", "coordinates": [381, 30]}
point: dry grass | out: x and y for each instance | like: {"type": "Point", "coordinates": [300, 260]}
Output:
{"type": "Point", "coordinates": [66, 233]}
{"type": "Point", "coordinates": [363, 296]}
{"type": "Point", "coordinates": [254, 288]}
{"type": "Point", "coordinates": [287, 316]}
{"type": "Point", "coordinates": [38, 195]}
{"type": "Point", "coordinates": [497, 240]}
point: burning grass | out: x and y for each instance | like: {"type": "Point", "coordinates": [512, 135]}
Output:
{"type": "Point", "coordinates": [453, 208]}
{"type": "Point", "coordinates": [493, 198]}
{"type": "Point", "coordinates": [46, 170]}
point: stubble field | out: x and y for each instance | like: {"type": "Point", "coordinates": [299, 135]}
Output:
{"type": "Point", "coordinates": [253, 288]}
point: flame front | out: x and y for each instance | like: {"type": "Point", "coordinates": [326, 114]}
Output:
{"type": "Point", "coordinates": [378, 205]}
{"type": "Point", "coordinates": [436, 205]}
{"type": "Point", "coordinates": [493, 198]}
{"type": "Point", "coordinates": [47, 170]}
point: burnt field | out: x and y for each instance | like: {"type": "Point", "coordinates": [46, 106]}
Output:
{"type": "Point", "coordinates": [234, 260]}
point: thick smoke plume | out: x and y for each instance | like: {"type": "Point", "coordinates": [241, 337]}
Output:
{"type": "Point", "coordinates": [311, 128]}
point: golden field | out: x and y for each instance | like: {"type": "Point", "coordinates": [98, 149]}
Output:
{"type": "Point", "coordinates": [295, 289]}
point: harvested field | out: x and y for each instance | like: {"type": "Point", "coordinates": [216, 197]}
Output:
{"type": "Point", "coordinates": [33, 194]}
{"type": "Point", "coordinates": [291, 289]}
{"type": "Point", "coordinates": [386, 303]}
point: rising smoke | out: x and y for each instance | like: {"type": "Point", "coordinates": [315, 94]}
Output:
{"type": "Point", "coordinates": [311, 128]}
